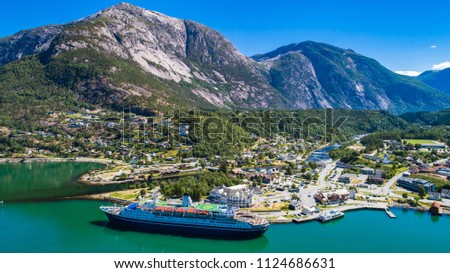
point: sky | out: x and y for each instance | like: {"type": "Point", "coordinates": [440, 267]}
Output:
{"type": "Point", "coordinates": [403, 35]}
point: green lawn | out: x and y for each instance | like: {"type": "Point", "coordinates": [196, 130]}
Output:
{"type": "Point", "coordinates": [420, 141]}
{"type": "Point", "coordinates": [124, 195]}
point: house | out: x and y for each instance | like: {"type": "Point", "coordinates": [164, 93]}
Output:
{"type": "Point", "coordinates": [386, 159]}
{"type": "Point", "coordinates": [414, 184]}
{"type": "Point", "coordinates": [435, 209]}
{"type": "Point", "coordinates": [376, 178]}
{"type": "Point", "coordinates": [434, 196]}
{"type": "Point", "coordinates": [443, 171]}
{"type": "Point", "coordinates": [445, 193]}
{"type": "Point", "coordinates": [308, 210]}
{"type": "Point", "coordinates": [343, 165]}
{"type": "Point", "coordinates": [371, 157]}
{"type": "Point", "coordinates": [433, 146]}
{"type": "Point", "coordinates": [191, 161]}
{"type": "Point", "coordinates": [347, 178]}
{"type": "Point", "coordinates": [235, 196]}
{"type": "Point", "coordinates": [332, 197]}
{"type": "Point", "coordinates": [367, 170]}
{"type": "Point", "coordinates": [170, 172]}
{"type": "Point", "coordinates": [237, 171]}
{"type": "Point", "coordinates": [295, 204]}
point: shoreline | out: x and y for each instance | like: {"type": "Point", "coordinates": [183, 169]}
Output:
{"type": "Point", "coordinates": [55, 159]}
{"type": "Point", "coordinates": [279, 220]}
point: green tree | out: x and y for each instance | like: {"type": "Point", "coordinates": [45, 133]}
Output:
{"type": "Point", "coordinates": [143, 192]}
{"type": "Point", "coordinates": [224, 167]}
{"type": "Point", "coordinates": [422, 192]}
{"type": "Point", "coordinates": [308, 176]}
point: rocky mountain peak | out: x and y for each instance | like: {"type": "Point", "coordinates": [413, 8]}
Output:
{"type": "Point", "coordinates": [125, 51]}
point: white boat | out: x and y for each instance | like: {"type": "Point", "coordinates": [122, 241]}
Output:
{"type": "Point", "coordinates": [330, 215]}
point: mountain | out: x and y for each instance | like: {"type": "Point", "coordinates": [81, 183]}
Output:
{"type": "Point", "coordinates": [128, 52]}
{"type": "Point", "coordinates": [126, 56]}
{"type": "Point", "coordinates": [320, 75]}
{"type": "Point", "coordinates": [439, 79]}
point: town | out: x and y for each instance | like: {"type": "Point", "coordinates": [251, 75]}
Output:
{"type": "Point", "coordinates": [280, 177]}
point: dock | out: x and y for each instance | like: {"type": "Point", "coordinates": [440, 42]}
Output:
{"type": "Point", "coordinates": [390, 213]}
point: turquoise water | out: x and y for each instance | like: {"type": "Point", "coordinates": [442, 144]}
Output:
{"type": "Point", "coordinates": [31, 181]}
{"type": "Point", "coordinates": [79, 225]}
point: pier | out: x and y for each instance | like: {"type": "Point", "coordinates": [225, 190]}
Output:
{"type": "Point", "coordinates": [389, 213]}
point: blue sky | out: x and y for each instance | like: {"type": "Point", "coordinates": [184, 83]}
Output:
{"type": "Point", "coordinates": [402, 35]}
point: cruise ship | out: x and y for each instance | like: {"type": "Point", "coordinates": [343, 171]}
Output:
{"type": "Point", "coordinates": [330, 215]}
{"type": "Point", "coordinates": [202, 220]}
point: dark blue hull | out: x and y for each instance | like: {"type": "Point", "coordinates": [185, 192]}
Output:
{"type": "Point", "coordinates": [185, 229]}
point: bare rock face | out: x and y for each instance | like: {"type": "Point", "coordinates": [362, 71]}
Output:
{"type": "Point", "coordinates": [126, 51]}
{"type": "Point", "coordinates": [319, 75]}
{"type": "Point", "coordinates": [291, 72]}
{"type": "Point", "coordinates": [27, 42]}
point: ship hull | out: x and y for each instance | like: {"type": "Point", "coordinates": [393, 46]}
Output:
{"type": "Point", "coordinates": [181, 229]}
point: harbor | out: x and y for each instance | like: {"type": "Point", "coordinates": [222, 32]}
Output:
{"type": "Point", "coordinates": [77, 225]}
{"type": "Point", "coordinates": [74, 224]}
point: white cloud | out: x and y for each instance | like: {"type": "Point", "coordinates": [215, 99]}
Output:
{"type": "Point", "coordinates": [441, 66]}
{"type": "Point", "coordinates": [433, 46]}
{"type": "Point", "coordinates": [409, 73]}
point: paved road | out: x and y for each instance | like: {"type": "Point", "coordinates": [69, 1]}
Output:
{"type": "Point", "coordinates": [387, 187]}
{"type": "Point", "coordinates": [324, 172]}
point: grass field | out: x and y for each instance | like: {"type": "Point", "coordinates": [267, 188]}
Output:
{"type": "Point", "coordinates": [420, 141]}
{"type": "Point", "coordinates": [127, 195]}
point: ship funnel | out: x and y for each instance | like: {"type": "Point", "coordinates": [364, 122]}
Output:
{"type": "Point", "coordinates": [187, 201]}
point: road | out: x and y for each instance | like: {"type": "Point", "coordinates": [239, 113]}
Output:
{"type": "Point", "coordinates": [387, 187]}
{"type": "Point", "coordinates": [324, 172]}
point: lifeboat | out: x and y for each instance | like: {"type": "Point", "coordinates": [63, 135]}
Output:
{"type": "Point", "coordinates": [202, 213]}
{"type": "Point", "coordinates": [169, 209]}
{"type": "Point", "coordinates": [159, 210]}
{"type": "Point", "coordinates": [179, 210]}
{"type": "Point", "coordinates": [191, 212]}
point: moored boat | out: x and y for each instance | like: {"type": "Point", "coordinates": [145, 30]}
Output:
{"type": "Point", "coordinates": [217, 220]}
{"type": "Point", "coordinates": [330, 215]}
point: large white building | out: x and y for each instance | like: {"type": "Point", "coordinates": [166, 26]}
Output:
{"type": "Point", "coordinates": [234, 196]}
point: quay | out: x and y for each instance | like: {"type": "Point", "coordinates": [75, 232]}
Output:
{"type": "Point", "coordinates": [389, 213]}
